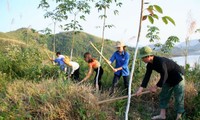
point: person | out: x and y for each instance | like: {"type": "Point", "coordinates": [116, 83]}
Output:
{"type": "Point", "coordinates": [75, 68]}
{"type": "Point", "coordinates": [59, 61]}
{"type": "Point", "coordinates": [94, 65]}
{"type": "Point", "coordinates": [121, 56]}
{"type": "Point", "coordinates": [171, 81]}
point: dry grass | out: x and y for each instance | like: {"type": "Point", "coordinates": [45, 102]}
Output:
{"type": "Point", "coordinates": [190, 93]}
{"type": "Point", "coordinates": [13, 41]}
{"type": "Point", "coordinates": [49, 100]}
{"type": "Point", "coordinates": [66, 101]}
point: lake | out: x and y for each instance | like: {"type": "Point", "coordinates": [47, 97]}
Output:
{"type": "Point", "coordinates": [192, 59]}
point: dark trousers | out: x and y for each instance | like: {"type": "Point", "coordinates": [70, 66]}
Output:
{"type": "Point", "coordinates": [75, 75]}
{"type": "Point", "coordinates": [116, 79]}
{"type": "Point", "coordinates": [100, 70]}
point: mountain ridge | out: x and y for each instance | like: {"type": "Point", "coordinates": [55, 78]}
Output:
{"type": "Point", "coordinates": [193, 48]}
{"type": "Point", "coordinates": [63, 41]}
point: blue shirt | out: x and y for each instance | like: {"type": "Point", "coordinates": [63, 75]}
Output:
{"type": "Point", "coordinates": [60, 62]}
{"type": "Point", "coordinates": [122, 60]}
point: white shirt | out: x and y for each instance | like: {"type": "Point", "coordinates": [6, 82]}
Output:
{"type": "Point", "coordinates": [61, 56]}
{"type": "Point", "coordinates": [75, 66]}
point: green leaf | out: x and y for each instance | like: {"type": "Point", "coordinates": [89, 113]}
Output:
{"type": "Point", "coordinates": [150, 11]}
{"type": "Point", "coordinates": [116, 12]}
{"type": "Point", "coordinates": [170, 19]}
{"type": "Point", "coordinates": [155, 16]}
{"type": "Point", "coordinates": [119, 4]}
{"type": "Point", "coordinates": [151, 20]}
{"type": "Point", "coordinates": [150, 7]}
{"type": "Point", "coordinates": [164, 20]}
{"type": "Point", "coordinates": [158, 9]}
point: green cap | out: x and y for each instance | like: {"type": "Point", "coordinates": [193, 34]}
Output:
{"type": "Point", "coordinates": [145, 51]}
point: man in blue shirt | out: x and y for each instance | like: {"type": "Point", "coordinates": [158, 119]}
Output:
{"type": "Point", "coordinates": [60, 61]}
{"type": "Point", "coordinates": [121, 69]}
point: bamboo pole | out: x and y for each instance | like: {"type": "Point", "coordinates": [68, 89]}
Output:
{"type": "Point", "coordinates": [102, 55]}
{"type": "Point", "coordinates": [119, 98]}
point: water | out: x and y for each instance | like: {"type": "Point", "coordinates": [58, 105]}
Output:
{"type": "Point", "coordinates": [192, 59]}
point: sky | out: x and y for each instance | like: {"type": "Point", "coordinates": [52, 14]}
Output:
{"type": "Point", "coordinates": [15, 14]}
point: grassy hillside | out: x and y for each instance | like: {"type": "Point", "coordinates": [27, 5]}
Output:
{"type": "Point", "coordinates": [21, 60]}
{"type": "Point", "coordinates": [81, 44]}
{"type": "Point", "coordinates": [31, 87]}
{"type": "Point", "coordinates": [63, 41]}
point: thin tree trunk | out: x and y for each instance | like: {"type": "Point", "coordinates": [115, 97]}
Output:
{"type": "Point", "coordinates": [102, 46]}
{"type": "Point", "coordinates": [186, 50]}
{"type": "Point", "coordinates": [54, 38]}
{"type": "Point", "coordinates": [133, 64]}
{"type": "Point", "coordinates": [73, 37]}
{"type": "Point", "coordinates": [103, 34]}
{"type": "Point", "coordinates": [72, 48]}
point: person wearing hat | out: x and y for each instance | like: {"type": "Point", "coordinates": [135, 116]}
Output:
{"type": "Point", "coordinates": [171, 81]}
{"type": "Point", "coordinates": [75, 68]}
{"type": "Point", "coordinates": [121, 58]}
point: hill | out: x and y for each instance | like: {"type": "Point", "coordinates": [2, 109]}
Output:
{"type": "Point", "coordinates": [22, 60]}
{"type": "Point", "coordinates": [179, 49]}
{"type": "Point", "coordinates": [30, 88]}
{"type": "Point", "coordinates": [81, 44]}
{"type": "Point", "coordinates": [193, 48]}
{"type": "Point", "coordinates": [63, 41]}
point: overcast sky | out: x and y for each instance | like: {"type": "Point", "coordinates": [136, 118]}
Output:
{"type": "Point", "coordinates": [15, 14]}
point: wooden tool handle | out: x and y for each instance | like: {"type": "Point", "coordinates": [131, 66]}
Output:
{"type": "Point", "coordinates": [119, 98]}
{"type": "Point", "coordinates": [102, 56]}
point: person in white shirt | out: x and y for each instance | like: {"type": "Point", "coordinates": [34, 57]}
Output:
{"type": "Point", "coordinates": [75, 68]}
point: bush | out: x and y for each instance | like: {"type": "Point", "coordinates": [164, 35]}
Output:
{"type": "Point", "coordinates": [26, 62]}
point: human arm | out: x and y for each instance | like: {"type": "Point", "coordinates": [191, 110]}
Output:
{"type": "Point", "coordinates": [125, 62]}
{"type": "Point", "coordinates": [163, 75]}
{"type": "Point", "coordinates": [112, 59]}
{"type": "Point", "coordinates": [72, 71]}
{"type": "Point", "coordinates": [55, 60]}
{"type": "Point", "coordinates": [117, 69]}
{"type": "Point", "coordinates": [51, 59]}
{"type": "Point", "coordinates": [147, 76]}
{"type": "Point", "coordinates": [90, 71]}
{"type": "Point", "coordinates": [153, 88]}
{"type": "Point", "coordinates": [75, 66]}
{"type": "Point", "coordinates": [139, 91]}
{"type": "Point", "coordinates": [145, 80]}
